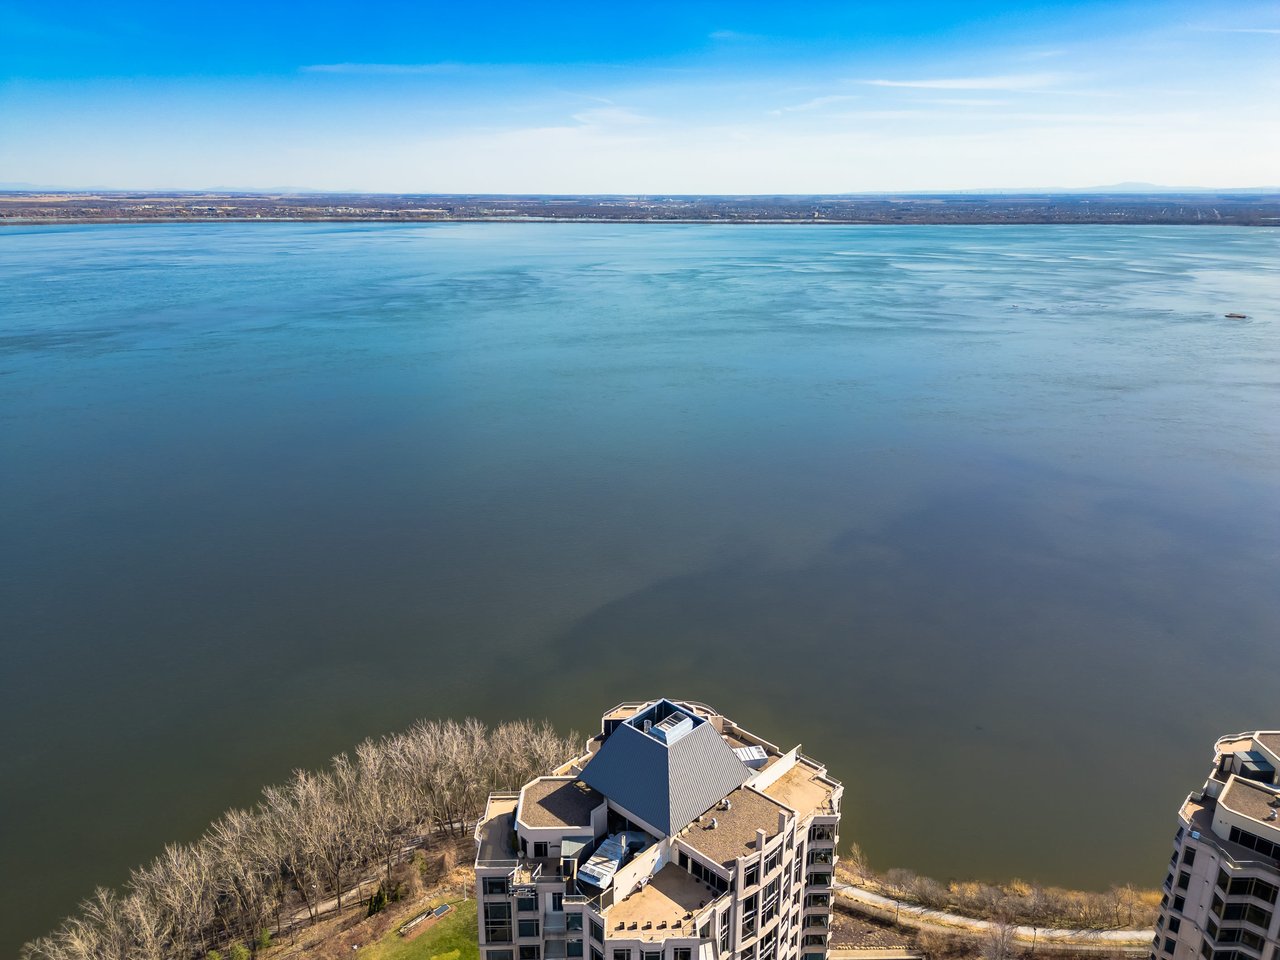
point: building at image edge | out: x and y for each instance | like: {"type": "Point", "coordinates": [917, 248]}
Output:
{"type": "Point", "coordinates": [1220, 893]}
{"type": "Point", "coordinates": [677, 835]}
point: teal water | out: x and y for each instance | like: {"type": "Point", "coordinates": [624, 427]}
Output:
{"type": "Point", "coordinates": [986, 517]}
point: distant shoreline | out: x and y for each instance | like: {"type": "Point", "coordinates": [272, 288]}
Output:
{"type": "Point", "coordinates": [26, 208]}
{"type": "Point", "coordinates": [159, 221]}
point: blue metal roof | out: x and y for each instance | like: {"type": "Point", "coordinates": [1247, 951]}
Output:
{"type": "Point", "coordinates": [666, 785]}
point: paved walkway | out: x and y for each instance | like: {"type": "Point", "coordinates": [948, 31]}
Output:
{"type": "Point", "coordinates": [923, 918]}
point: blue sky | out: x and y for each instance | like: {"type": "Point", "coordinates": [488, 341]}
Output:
{"type": "Point", "coordinates": [660, 98]}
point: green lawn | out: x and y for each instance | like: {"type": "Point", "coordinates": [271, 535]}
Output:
{"type": "Point", "coordinates": [452, 938]}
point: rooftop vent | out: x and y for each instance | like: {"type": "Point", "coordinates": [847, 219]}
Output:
{"type": "Point", "coordinates": [753, 756]}
{"type": "Point", "coordinates": [714, 823]}
{"type": "Point", "coordinates": [1271, 815]}
{"type": "Point", "coordinates": [671, 727]}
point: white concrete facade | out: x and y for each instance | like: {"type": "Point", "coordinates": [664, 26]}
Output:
{"type": "Point", "coordinates": [1220, 894]}
{"type": "Point", "coordinates": [750, 878]}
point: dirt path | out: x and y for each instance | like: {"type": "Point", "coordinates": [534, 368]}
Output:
{"type": "Point", "coordinates": [938, 921]}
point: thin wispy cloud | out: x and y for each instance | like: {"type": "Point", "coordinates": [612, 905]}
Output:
{"type": "Point", "coordinates": [731, 35]}
{"type": "Point", "coordinates": [965, 102]}
{"type": "Point", "coordinates": [1270, 30]}
{"type": "Point", "coordinates": [382, 69]}
{"type": "Point", "coordinates": [611, 116]}
{"type": "Point", "coordinates": [1023, 81]}
{"type": "Point", "coordinates": [817, 103]}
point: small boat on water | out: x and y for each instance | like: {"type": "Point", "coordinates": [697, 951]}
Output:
{"type": "Point", "coordinates": [1235, 316]}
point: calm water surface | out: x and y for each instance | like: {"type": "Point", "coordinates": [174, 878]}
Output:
{"type": "Point", "coordinates": [986, 517]}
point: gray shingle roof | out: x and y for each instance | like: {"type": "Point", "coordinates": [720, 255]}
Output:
{"type": "Point", "coordinates": [665, 785]}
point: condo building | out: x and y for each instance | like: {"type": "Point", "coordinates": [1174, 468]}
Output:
{"type": "Point", "coordinates": [677, 835]}
{"type": "Point", "coordinates": [1220, 894]}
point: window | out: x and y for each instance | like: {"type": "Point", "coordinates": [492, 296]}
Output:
{"type": "Point", "coordinates": [705, 874]}
{"type": "Point", "coordinates": [1252, 887]}
{"type": "Point", "coordinates": [795, 874]}
{"type": "Point", "coordinates": [597, 954]}
{"type": "Point", "coordinates": [1222, 879]}
{"type": "Point", "coordinates": [1216, 907]}
{"type": "Point", "coordinates": [684, 860]}
{"type": "Point", "coordinates": [527, 903]}
{"type": "Point", "coordinates": [822, 831]}
{"type": "Point", "coordinates": [497, 923]}
{"type": "Point", "coordinates": [769, 945]}
{"type": "Point", "coordinates": [1168, 945]}
{"type": "Point", "coordinates": [1240, 935]}
{"type": "Point", "coordinates": [1211, 928]}
{"type": "Point", "coordinates": [724, 932]}
{"type": "Point", "coordinates": [621, 954]}
{"type": "Point", "coordinates": [539, 848]}
{"type": "Point", "coordinates": [1249, 913]}
{"type": "Point", "coordinates": [1206, 949]}
{"type": "Point", "coordinates": [682, 953]}
{"type": "Point", "coordinates": [557, 902]}
{"type": "Point", "coordinates": [530, 951]}
{"type": "Point", "coordinates": [597, 933]}
{"type": "Point", "coordinates": [1174, 924]}
{"type": "Point", "coordinates": [573, 921]}
{"type": "Point", "coordinates": [573, 948]}
{"type": "Point", "coordinates": [497, 955]}
{"type": "Point", "coordinates": [495, 886]}
{"type": "Point", "coordinates": [751, 875]}
{"type": "Point", "coordinates": [749, 907]}
{"type": "Point", "coordinates": [772, 861]}
{"type": "Point", "coordinates": [1265, 847]}
{"type": "Point", "coordinates": [1184, 878]}
{"type": "Point", "coordinates": [769, 908]}
{"type": "Point", "coordinates": [528, 928]}
{"type": "Point", "coordinates": [819, 879]}
{"type": "Point", "coordinates": [1189, 856]}
{"type": "Point", "coordinates": [1179, 903]}
{"type": "Point", "coordinates": [651, 954]}
{"type": "Point", "coordinates": [813, 940]}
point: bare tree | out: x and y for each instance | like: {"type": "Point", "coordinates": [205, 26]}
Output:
{"type": "Point", "coordinates": [315, 834]}
{"type": "Point", "coordinates": [998, 943]}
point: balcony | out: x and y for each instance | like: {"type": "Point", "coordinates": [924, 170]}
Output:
{"type": "Point", "coordinates": [553, 923]}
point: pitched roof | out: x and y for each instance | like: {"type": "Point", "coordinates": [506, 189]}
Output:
{"type": "Point", "coordinates": [665, 784]}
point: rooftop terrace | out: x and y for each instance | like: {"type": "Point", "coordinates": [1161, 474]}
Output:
{"type": "Point", "coordinates": [804, 790]}
{"type": "Point", "coordinates": [1270, 740]}
{"type": "Point", "coordinates": [1251, 800]}
{"type": "Point", "coordinates": [1199, 817]}
{"type": "Point", "coordinates": [668, 902]}
{"type": "Point", "coordinates": [734, 834]}
{"type": "Point", "coordinates": [494, 832]}
{"type": "Point", "coordinates": [558, 802]}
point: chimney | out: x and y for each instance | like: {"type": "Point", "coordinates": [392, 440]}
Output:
{"type": "Point", "coordinates": [782, 821]}
{"type": "Point", "coordinates": [760, 838]}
